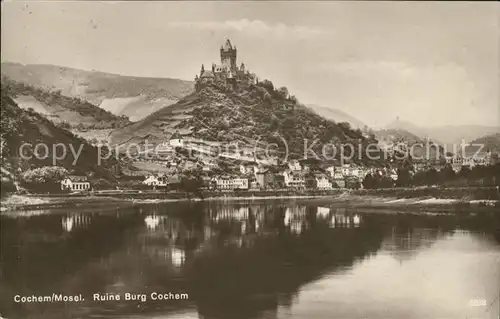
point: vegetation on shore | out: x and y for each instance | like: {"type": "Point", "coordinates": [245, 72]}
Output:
{"type": "Point", "coordinates": [478, 176]}
{"type": "Point", "coordinates": [20, 127]}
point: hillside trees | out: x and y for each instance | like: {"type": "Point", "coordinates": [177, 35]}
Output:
{"type": "Point", "coordinates": [104, 119]}
{"type": "Point", "coordinates": [44, 179]}
{"type": "Point", "coordinates": [191, 181]}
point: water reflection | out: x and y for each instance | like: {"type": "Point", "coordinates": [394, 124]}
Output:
{"type": "Point", "coordinates": [75, 221]}
{"type": "Point", "coordinates": [152, 222]}
{"type": "Point", "coordinates": [237, 260]}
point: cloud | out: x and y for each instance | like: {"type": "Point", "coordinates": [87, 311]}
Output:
{"type": "Point", "coordinates": [251, 27]}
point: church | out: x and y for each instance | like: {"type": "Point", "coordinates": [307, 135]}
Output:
{"type": "Point", "coordinates": [227, 71]}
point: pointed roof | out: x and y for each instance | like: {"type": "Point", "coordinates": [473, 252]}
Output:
{"type": "Point", "coordinates": [227, 46]}
{"type": "Point", "coordinates": [77, 178]}
{"type": "Point", "coordinates": [207, 74]}
{"type": "Point", "coordinates": [176, 135]}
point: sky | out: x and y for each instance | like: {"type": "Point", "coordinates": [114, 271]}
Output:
{"type": "Point", "coordinates": [431, 63]}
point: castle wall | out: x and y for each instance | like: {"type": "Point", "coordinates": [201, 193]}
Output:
{"type": "Point", "coordinates": [228, 59]}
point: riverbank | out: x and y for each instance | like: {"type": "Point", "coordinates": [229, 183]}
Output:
{"type": "Point", "coordinates": [30, 202]}
{"type": "Point", "coordinates": [416, 198]}
{"type": "Point", "coordinates": [417, 204]}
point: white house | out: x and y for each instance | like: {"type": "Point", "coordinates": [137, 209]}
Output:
{"type": "Point", "coordinates": [294, 165]}
{"type": "Point", "coordinates": [164, 151]}
{"type": "Point", "coordinates": [240, 183]}
{"type": "Point", "coordinates": [155, 181]}
{"type": "Point", "coordinates": [322, 182]}
{"type": "Point", "coordinates": [483, 159]}
{"type": "Point", "coordinates": [75, 183]}
{"type": "Point", "coordinates": [331, 170]}
{"type": "Point", "coordinates": [455, 160]}
{"type": "Point", "coordinates": [468, 161]}
{"type": "Point", "coordinates": [393, 174]}
{"type": "Point", "coordinates": [176, 140]}
{"type": "Point", "coordinates": [248, 169]}
{"type": "Point", "coordinates": [294, 180]}
{"type": "Point", "coordinates": [356, 172]}
{"type": "Point", "coordinates": [347, 169]}
{"type": "Point", "coordinates": [335, 172]}
{"type": "Point", "coordinates": [228, 183]}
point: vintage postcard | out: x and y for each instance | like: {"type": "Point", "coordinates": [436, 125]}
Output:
{"type": "Point", "coordinates": [250, 160]}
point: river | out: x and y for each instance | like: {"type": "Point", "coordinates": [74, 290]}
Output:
{"type": "Point", "coordinates": [254, 260]}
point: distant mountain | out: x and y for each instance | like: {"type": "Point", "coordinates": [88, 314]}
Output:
{"type": "Point", "coordinates": [455, 133]}
{"type": "Point", "coordinates": [248, 114]}
{"type": "Point", "coordinates": [20, 126]}
{"type": "Point", "coordinates": [337, 116]}
{"type": "Point", "coordinates": [407, 126]}
{"type": "Point", "coordinates": [73, 112]}
{"type": "Point", "coordinates": [398, 134]}
{"type": "Point", "coordinates": [134, 97]}
{"type": "Point", "coordinates": [491, 142]}
{"type": "Point", "coordinates": [484, 144]}
{"type": "Point", "coordinates": [421, 146]}
{"type": "Point", "coordinates": [446, 135]}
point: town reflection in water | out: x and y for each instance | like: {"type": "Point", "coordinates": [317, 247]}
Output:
{"type": "Point", "coordinates": [244, 260]}
{"type": "Point", "coordinates": [75, 221]}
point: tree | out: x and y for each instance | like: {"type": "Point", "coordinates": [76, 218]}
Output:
{"type": "Point", "coordinates": [7, 186]}
{"type": "Point", "coordinates": [447, 174]}
{"type": "Point", "coordinates": [465, 172]}
{"type": "Point", "coordinates": [369, 181]}
{"type": "Point", "coordinates": [64, 125]}
{"type": "Point", "coordinates": [268, 85]}
{"type": "Point", "coordinates": [45, 179]}
{"type": "Point", "coordinates": [432, 177]}
{"type": "Point", "coordinates": [102, 184]}
{"type": "Point", "coordinates": [345, 126]}
{"type": "Point", "coordinates": [385, 182]}
{"type": "Point", "coordinates": [404, 177]}
{"type": "Point", "coordinates": [191, 181]}
{"type": "Point", "coordinates": [283, 91]}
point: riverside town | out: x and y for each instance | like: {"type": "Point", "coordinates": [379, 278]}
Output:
{"type": "Point", "coordinates": [192, 158]}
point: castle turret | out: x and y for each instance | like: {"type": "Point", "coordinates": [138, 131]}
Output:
{"type": "Point", "coordinates": [228, 56]}
{"type": "Point", "coordinates": [202, 70]}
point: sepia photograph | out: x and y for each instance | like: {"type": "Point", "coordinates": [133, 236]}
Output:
{"type": "Point", "coordinates": [250, 160]}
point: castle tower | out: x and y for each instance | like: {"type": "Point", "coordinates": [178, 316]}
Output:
{"type": "Point", "coordinates": [228, 56]}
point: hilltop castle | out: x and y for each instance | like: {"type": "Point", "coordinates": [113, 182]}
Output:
{"type": "Point", "coordinates": [227, 71]}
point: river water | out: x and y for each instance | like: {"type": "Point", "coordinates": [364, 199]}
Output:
{"type": "Point", "coordinates": [258, 260]}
